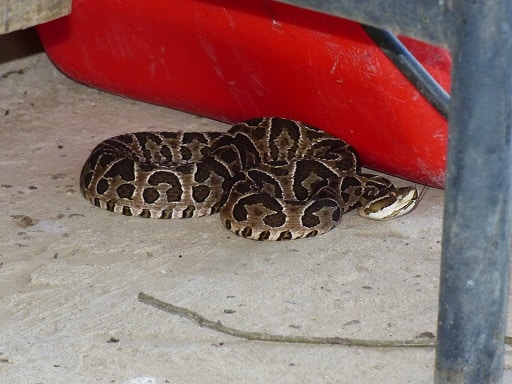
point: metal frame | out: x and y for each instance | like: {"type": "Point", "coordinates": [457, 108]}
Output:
{"type": "Point", "coordinates": [476, 226]}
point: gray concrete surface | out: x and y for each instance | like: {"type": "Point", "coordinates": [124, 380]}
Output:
{"type": "Point", "coordinates": [70, 272]}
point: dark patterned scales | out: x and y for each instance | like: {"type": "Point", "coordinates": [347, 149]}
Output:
{"type": "Point", "coordinates": [270, 178]}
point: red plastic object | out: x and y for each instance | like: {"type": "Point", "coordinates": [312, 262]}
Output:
{"type": "Point", "coordinates": [232, 60]}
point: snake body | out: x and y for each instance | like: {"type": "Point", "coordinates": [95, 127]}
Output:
{"type": "Point", "coordinates": [270, 178]}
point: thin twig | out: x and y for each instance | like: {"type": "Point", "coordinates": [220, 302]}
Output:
{"type": "Point", "coordinates": [261, 336]}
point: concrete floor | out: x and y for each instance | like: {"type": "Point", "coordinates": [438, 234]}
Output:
{"type": "Point", "coordinates": [70, 273]}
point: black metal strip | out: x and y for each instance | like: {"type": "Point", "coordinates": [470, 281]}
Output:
{"type": "Point", "coordinates": [411, 68]}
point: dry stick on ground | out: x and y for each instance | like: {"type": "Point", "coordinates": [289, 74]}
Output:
{"type": "Point", "coordinates": [261, 336]}
{"type": "Point", "coordinates": [217, 326]}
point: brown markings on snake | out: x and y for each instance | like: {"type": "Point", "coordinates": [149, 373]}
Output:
{"type": "Point", "coordinates": [111, 204]}
{"type": "Point", "coordinates": [125, 191]}
{"type": "Point", "coordinates": [308, 181]}
{"type": "Point", "coordinates": [310, 176]}
{"type": "Point", "coordinates": [275, 220]}
{"type": "Point", "coordinates": [284, 139]}
{"type": "Point", "coordinates": [102, 186]}
{"type": "Point", "coordinates": [104, 159]}
{"type": "Point", "coordinates": [186, 153]}
{"type": "Point", "coordinates": [350, 181]}
{"type": "Point", "coordinates": [163, 177]}
{"type": "Point", "coordinates": [150, 195]}
{"type": "Point", "coordinates": [278, 170]}
{"type": "Point", "coordinates": [206, 168]}
{"type": "Point", "coordinates": [174, 193]}
{"type": "Point", "coordinates": [166, 153]}
{"type": "Point", "coordinates": [246, 232]}
{"type": "Point", "coordinates": [145, 213]}
{"type": "Point", "coordinates": [344, 164]}
{"type": "Point", "coordinates": [285, 235]}
{"type": "Point", "coordinates": [265, 183]}
{"type": "Point", "coordinates": [264, 235]}
{"type": "Point", "coordinates": [123, 168]}
{"type": "Point", "coordinates": [322, 209]}
{"type": "Point", "coordinates": [148, 141]}
{"type": "Point", "coordinates": [259, 204]}
{"type": "Point", "coordinates": [200, 192]}
{"type": "Point", "coordinates": [85, 180]}
{"type": "Point", "coordinates": [189, 211]}
{"type": "Point", "coordinates": [228, 155]}
{"type": "Point", "coordinates": [166, 214]}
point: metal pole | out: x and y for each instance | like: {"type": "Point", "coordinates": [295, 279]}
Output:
{"type": "Point", "coordinates": [476, 231]}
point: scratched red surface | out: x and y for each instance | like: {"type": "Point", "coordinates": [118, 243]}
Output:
{"type": "Point", "coordinates": [231, 60]}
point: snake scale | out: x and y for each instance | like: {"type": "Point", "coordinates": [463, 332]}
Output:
{"type": "Point", "coordinates": [270, 179]}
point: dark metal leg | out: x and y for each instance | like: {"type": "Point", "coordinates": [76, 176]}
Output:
{"type": "Point", "coordinates": [476, 232]}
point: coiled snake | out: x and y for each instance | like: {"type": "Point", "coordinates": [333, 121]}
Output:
{"type": "Point", "coordinates": [270, 179]}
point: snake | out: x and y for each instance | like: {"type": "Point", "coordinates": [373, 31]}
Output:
{"type": "Point", "coordinates": [270, 178]}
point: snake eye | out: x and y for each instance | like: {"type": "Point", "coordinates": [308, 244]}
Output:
{"type": "Point", "coordinates": [398, 202]}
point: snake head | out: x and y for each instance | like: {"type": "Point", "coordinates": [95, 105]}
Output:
{"type": "Point", "coordinates": [397, 202]}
